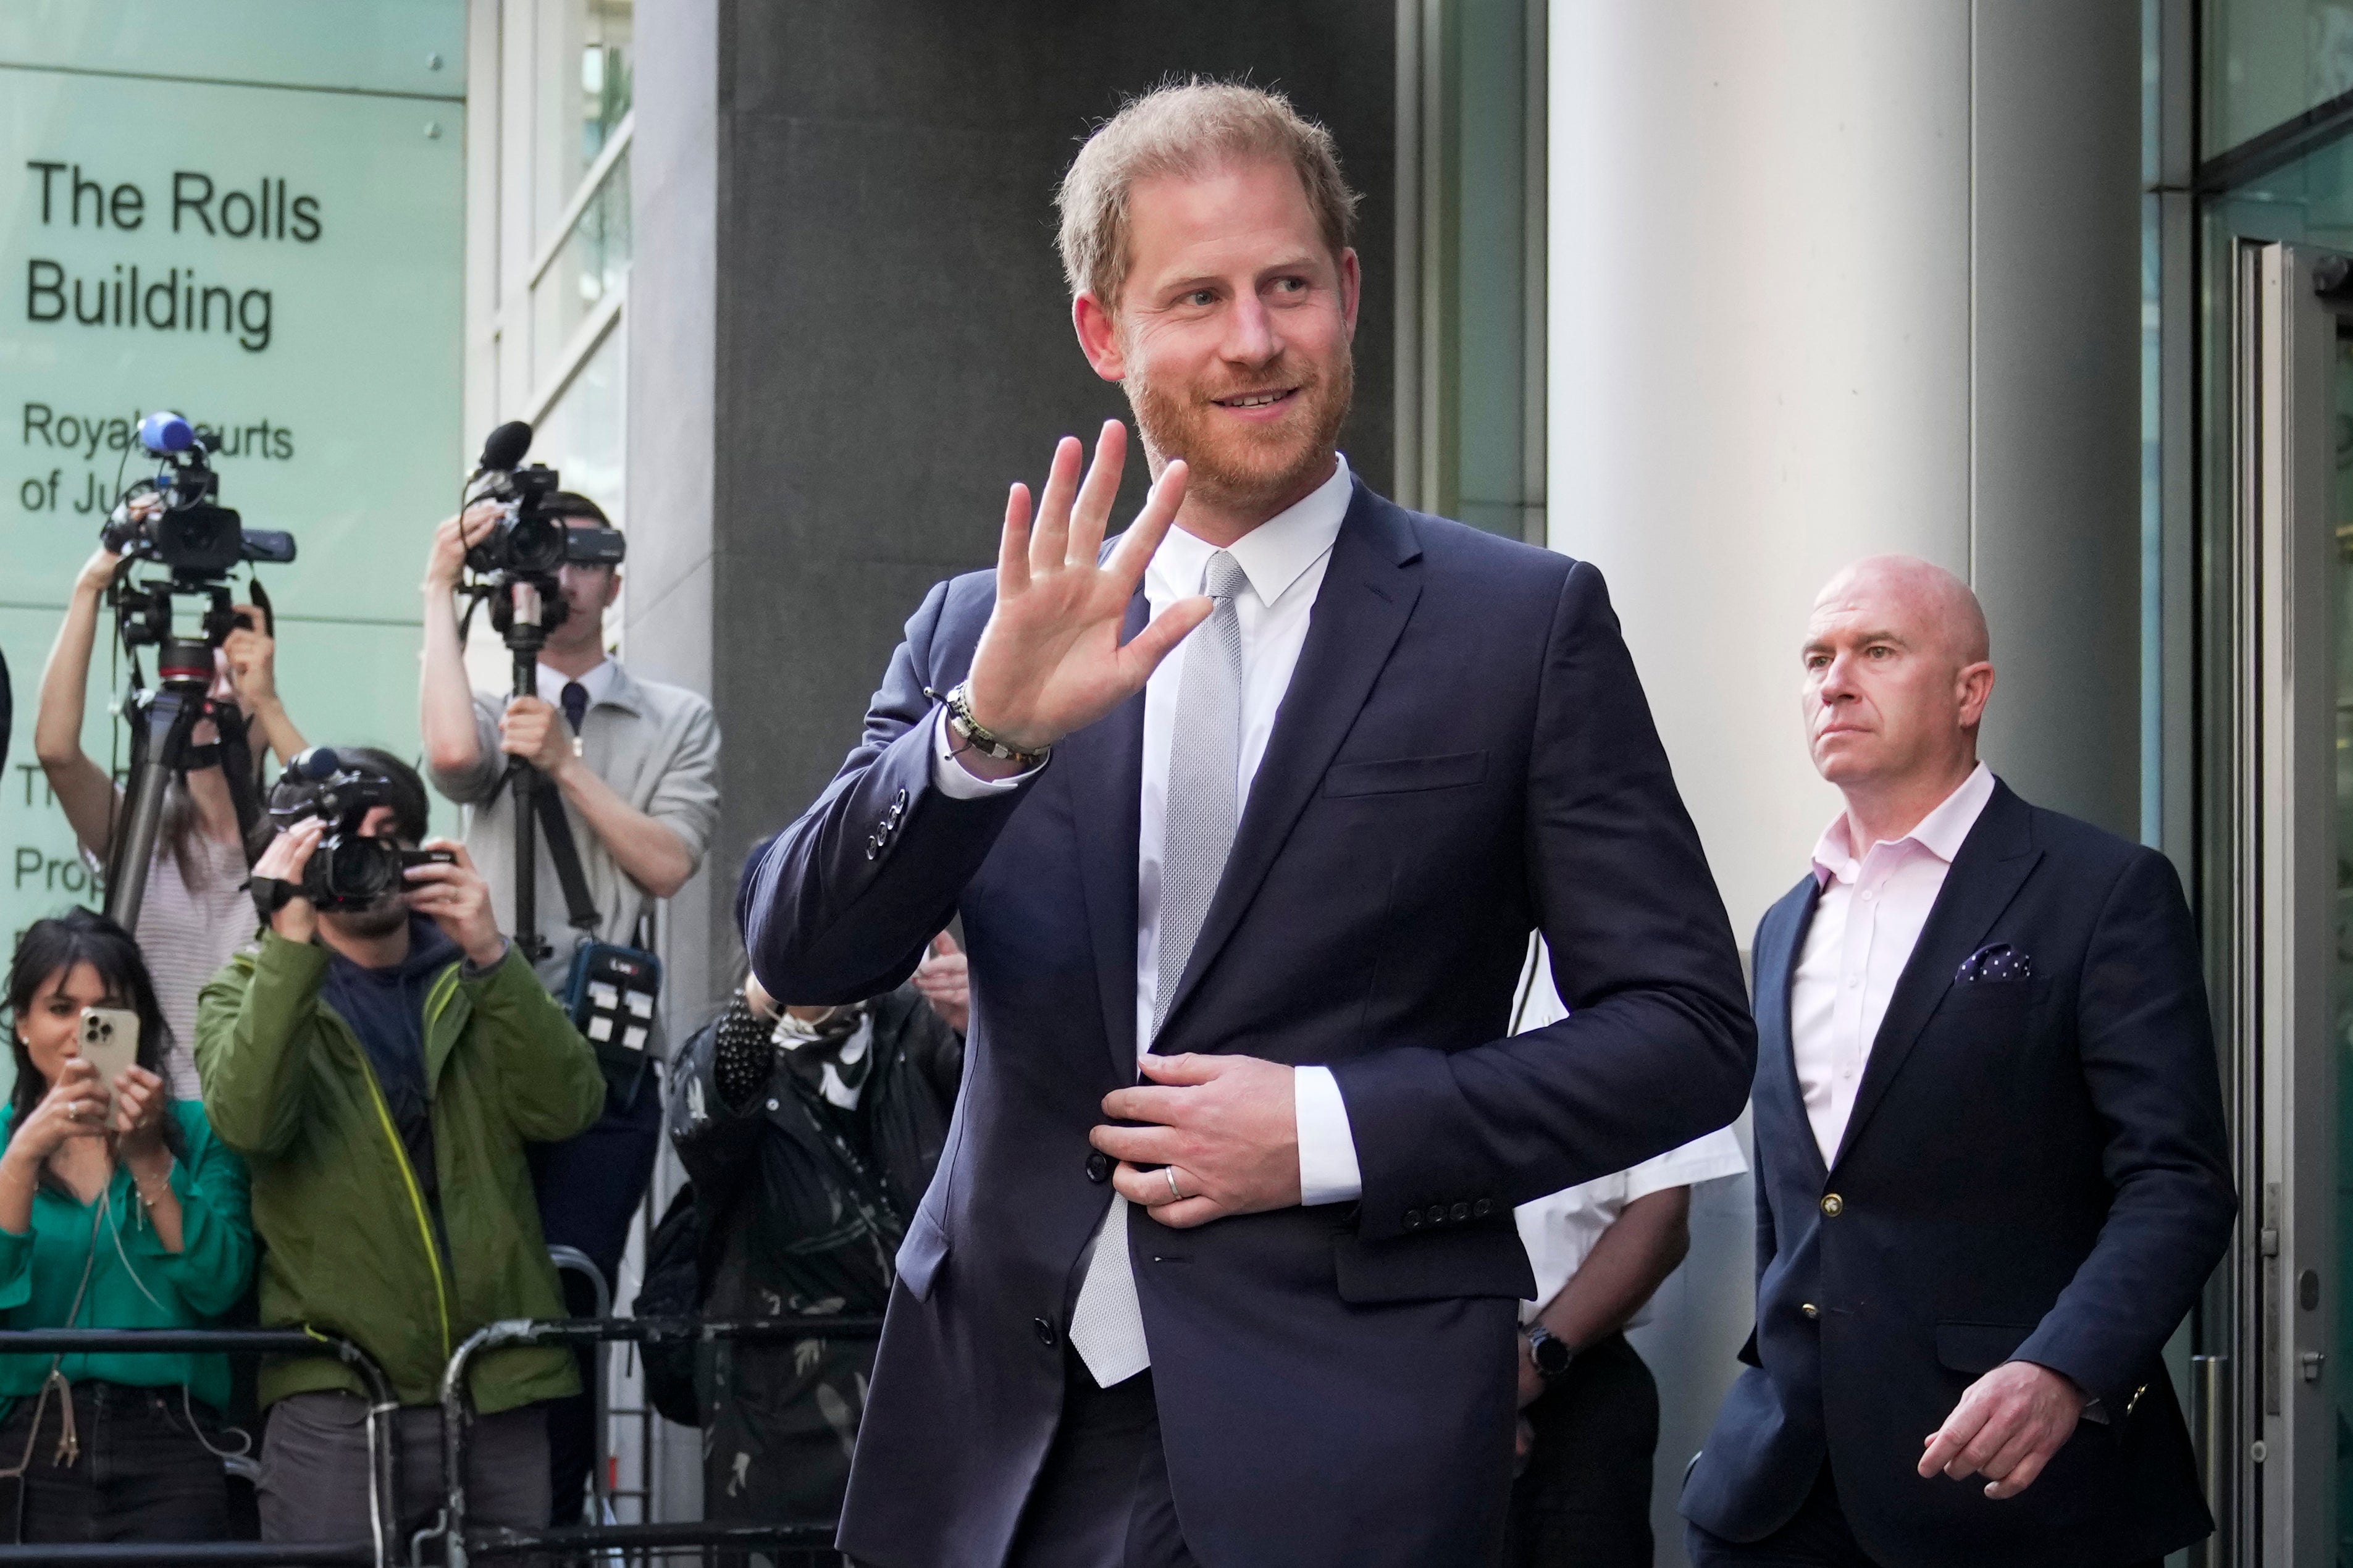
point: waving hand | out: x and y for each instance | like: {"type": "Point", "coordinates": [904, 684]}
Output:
{"type": "Point", "coordinates": [1050, 660]}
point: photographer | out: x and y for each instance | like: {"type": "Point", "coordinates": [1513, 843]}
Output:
{"type": "Point", "coordinates": [381, 1068]}
{"type": "Point", "coordinates": [811, 1134]}
{"type": "Point", "coordinates": [195, 912]}
{"type": "Point", "coordinates": [634, 765]}
{"type": "Point", "coordinates": [119, 1210]}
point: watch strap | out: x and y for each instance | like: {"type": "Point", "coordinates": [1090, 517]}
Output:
{"type": "Point", "coordinates": [1550, 1353]}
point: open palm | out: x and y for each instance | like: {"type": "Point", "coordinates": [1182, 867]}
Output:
{"type": "Point", "coordinates": [1050, 660]}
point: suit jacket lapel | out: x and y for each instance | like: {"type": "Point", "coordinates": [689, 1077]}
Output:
{"type": "Point", "coordinates": [1102, 768]}
{"type": "Point", "coordinates": [1781, 941]}
{"type": "Point", "coordinates": [1367, 594]}
{"type": "Point", "coordinates": [1993, 862]}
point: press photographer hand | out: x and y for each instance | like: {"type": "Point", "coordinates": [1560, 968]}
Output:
{"type": "Point", "coordinates": [252, 656]}
{"type": "Point", "coordinates": [446, 562]}
{"type": "Point", "coordinates": [533, 729]}
{"type": "Point", "coordinates": [1050, 661]}
{"type": "Point", "coordinates": [298, 918]}
{"type": "Point", "coordinates": [455, 897]}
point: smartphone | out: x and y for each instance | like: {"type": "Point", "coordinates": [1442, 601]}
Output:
{"type": "Point", "coordinates": [109, 1042]}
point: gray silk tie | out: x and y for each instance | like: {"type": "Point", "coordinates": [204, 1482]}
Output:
{"type": "Point", "coordinates": [1204, 805]}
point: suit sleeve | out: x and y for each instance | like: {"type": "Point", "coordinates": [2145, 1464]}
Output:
{"type": "Point", "coordinates": [2147, 1048]}
{"type": "Point", "coordinates": [1658, 1046]}
{"type": "Point", "coordinates": [839, 906]}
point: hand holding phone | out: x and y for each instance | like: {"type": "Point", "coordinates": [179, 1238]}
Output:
{"type": "Point", "coordinates": [109, 1042]}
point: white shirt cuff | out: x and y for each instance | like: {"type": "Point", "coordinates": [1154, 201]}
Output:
{"type": "Point", "coordinates": [955, 781]}
{"type": "Point", "coordinates": [1328, 1171]}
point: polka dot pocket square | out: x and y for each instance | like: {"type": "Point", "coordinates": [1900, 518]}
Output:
{"type": "Point", "coordinates": [1995, 964]}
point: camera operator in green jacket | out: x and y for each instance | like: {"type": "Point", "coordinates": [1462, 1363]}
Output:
{"type": "Point", "coordinates": [380, 1068]}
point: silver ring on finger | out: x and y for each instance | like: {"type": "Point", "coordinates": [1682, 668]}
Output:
{"type": "Point", "coordinates": [1173, 1195]}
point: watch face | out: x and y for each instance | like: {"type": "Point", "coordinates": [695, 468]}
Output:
{"type": "Point", "coordinates": [1552, 1356]}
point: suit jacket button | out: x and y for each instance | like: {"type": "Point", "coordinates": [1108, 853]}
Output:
{"type": "Point", "coordinates": [873, 846]}
{"type": "Point", "coordinates": [1413, 1219]}
{"type": "Point", "coordinates": [1833, 1206]}
{"type": "Point", "coordinates": [1436, 1214]}
{"type": "Point", "coordinates": [1046, 1334]}
{"type": "Point", "coordinates": [899, 799]}
{"type": "Point", "coordinates": [1484, 1207]}
{"type": "Point", "coordinates": [1459, 1213]}
{"type": "Point", "coordinates": [1810, 1310]}
{"type": "Point", "coordinates": [1097, 1167]}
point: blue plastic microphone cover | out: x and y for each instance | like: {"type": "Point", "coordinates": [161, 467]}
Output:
{"type": "Point", "coordinates": [320, 763]}
{"type": "Point", "coordinates": [165, 431]}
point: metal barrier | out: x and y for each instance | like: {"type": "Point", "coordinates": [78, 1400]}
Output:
{"type": "Point", "coordinates": [457, 1419]}
{"type": "Point", "coordinates": [383, 1452]}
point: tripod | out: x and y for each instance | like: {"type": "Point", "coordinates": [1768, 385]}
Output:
{"type": "Point", "coordinates": [163, 729]}
{"type": "Point", "coordinates": [525, 632]}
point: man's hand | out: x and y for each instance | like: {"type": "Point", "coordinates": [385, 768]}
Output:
{"type": "Point", "coordinates": [455, 897]}
{"type": "Point", "coordinates": [252, 655]}
{"type": "Point", "coordinates": [944, 977]}
{"type": "Point", "coordinates": [1050, 660]}
{"type": "Point", "coordinates": [1226, 1127]}
{"type": "Point", "coordinates": [533, 729]}
{"type": "Point", "coordinates": [298, 918]}
{"type": "Point", "coordinates": [446, 562]}
{"type": "Point", "coordinates": [2006, 1428]}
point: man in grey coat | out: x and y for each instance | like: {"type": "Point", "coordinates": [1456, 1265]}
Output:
{"type": "Point", "coordinates": [634, 763]}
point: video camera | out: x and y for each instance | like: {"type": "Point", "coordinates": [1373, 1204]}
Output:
{"type": "Point", "coordinates": [348, 871]}
{"type": "Point", "coordinates": [192, 533]}
{"type": "Point", "coordinates": [531, 539]}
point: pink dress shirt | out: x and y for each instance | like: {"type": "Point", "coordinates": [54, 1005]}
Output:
{"type": "Point", "coordinates": [1865, 926]}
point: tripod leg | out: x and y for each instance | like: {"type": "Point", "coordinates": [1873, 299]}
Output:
{"type": "Point", "coordinates": [166, 722]}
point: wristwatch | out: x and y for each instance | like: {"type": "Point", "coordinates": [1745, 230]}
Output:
{"type": "Point", "coordinates": [1549, 1352]}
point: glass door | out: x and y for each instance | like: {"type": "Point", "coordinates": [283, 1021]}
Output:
{"type": "Point", "coordinates": [2289, 1435]}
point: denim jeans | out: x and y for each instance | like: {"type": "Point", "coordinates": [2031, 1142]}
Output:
{"type": "Point", "coordinates": [140, 1473]}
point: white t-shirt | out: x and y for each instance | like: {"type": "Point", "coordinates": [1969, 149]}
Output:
{"type": "Point", "coordinates": [1559, 1231]}
{"type": "Point", "coordinates": [187, 933]}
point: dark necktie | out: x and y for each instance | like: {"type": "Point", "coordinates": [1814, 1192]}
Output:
{"type": "Point", "coordinates": [576, 704]}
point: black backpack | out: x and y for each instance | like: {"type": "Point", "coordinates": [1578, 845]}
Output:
{"type": "Point", "coordinates": [673, 1289]}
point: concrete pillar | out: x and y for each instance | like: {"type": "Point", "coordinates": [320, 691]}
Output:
{"type": "Point", "coordinates": [1828, 280]}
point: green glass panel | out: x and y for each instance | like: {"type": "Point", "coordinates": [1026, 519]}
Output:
{"type": "Point", "coordinates": [2267, 62]}
{"type": "Point", "coordinates": [297, 257]}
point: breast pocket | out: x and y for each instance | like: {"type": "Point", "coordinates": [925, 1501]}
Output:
{"type": "Point", "coordinates": [1405, 775]}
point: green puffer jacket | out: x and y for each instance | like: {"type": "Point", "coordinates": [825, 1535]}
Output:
{"type": "Point", "coordinates": [351, 1245]}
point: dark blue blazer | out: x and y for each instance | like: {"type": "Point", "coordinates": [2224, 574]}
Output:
{"type": "Point", "coordinates": [2036, 1169]}
{"type": "Point", "coordinates": [1463, 754]}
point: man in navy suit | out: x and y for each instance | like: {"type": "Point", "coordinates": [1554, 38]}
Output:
{"type": "Point", "coordinates": [1991, 1170]}
{"type": "Point", "coordinates": [1257, 1307]}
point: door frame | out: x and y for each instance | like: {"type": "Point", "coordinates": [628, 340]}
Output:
{"type": "Point", "coordinates": [2284, 1076]}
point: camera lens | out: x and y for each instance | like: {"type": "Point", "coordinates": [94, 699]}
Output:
{"type": "Point", "coordinates": [360, 869]}
{"type": "Point", "coordinates": [536, 543]}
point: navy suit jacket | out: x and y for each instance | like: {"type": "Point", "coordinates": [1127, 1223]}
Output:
{"type": "Point", "coordinates": [1463, 754]}
{"type": "Point", "coordinates": [2036, 1169]}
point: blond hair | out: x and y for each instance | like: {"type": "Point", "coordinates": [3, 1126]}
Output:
{"type": "Point", "coordinates": [1189, 128]}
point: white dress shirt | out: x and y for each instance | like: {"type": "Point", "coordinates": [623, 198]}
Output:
{"type": "Point", "coordinates": [1284, 558]}
{"type": "Point", "coordinates": [1559, 1232]}
{"type": "Point", "coordinates": [598, 682]}
{"type": "Point", "coordinates": [1868, 919]}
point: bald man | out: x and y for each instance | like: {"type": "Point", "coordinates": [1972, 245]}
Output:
{"type": "Point", "coordinates": [1991, 1174]}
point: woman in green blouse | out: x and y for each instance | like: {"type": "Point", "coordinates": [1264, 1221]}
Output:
{"type": "Point", "coordinates": [118, 1210]}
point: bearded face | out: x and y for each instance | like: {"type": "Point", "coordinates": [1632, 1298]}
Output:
{"type": "Point", "coordinates": [1231, 336]}
{"type": "Point", "coordinates": [1254, 437]}
{"type": "Point", "coordinates": [381, 916]}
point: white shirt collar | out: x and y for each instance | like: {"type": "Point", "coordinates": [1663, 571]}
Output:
{"type": "Point", "coordinates": [1273, 555]}
{"type": "Point", "coordinates": [1940, 832]}
{"type": "Point", "coordinates": [598, 682]}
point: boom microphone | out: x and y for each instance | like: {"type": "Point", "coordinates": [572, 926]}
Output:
{"type": "Point", "coordinates": [503, 451]}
